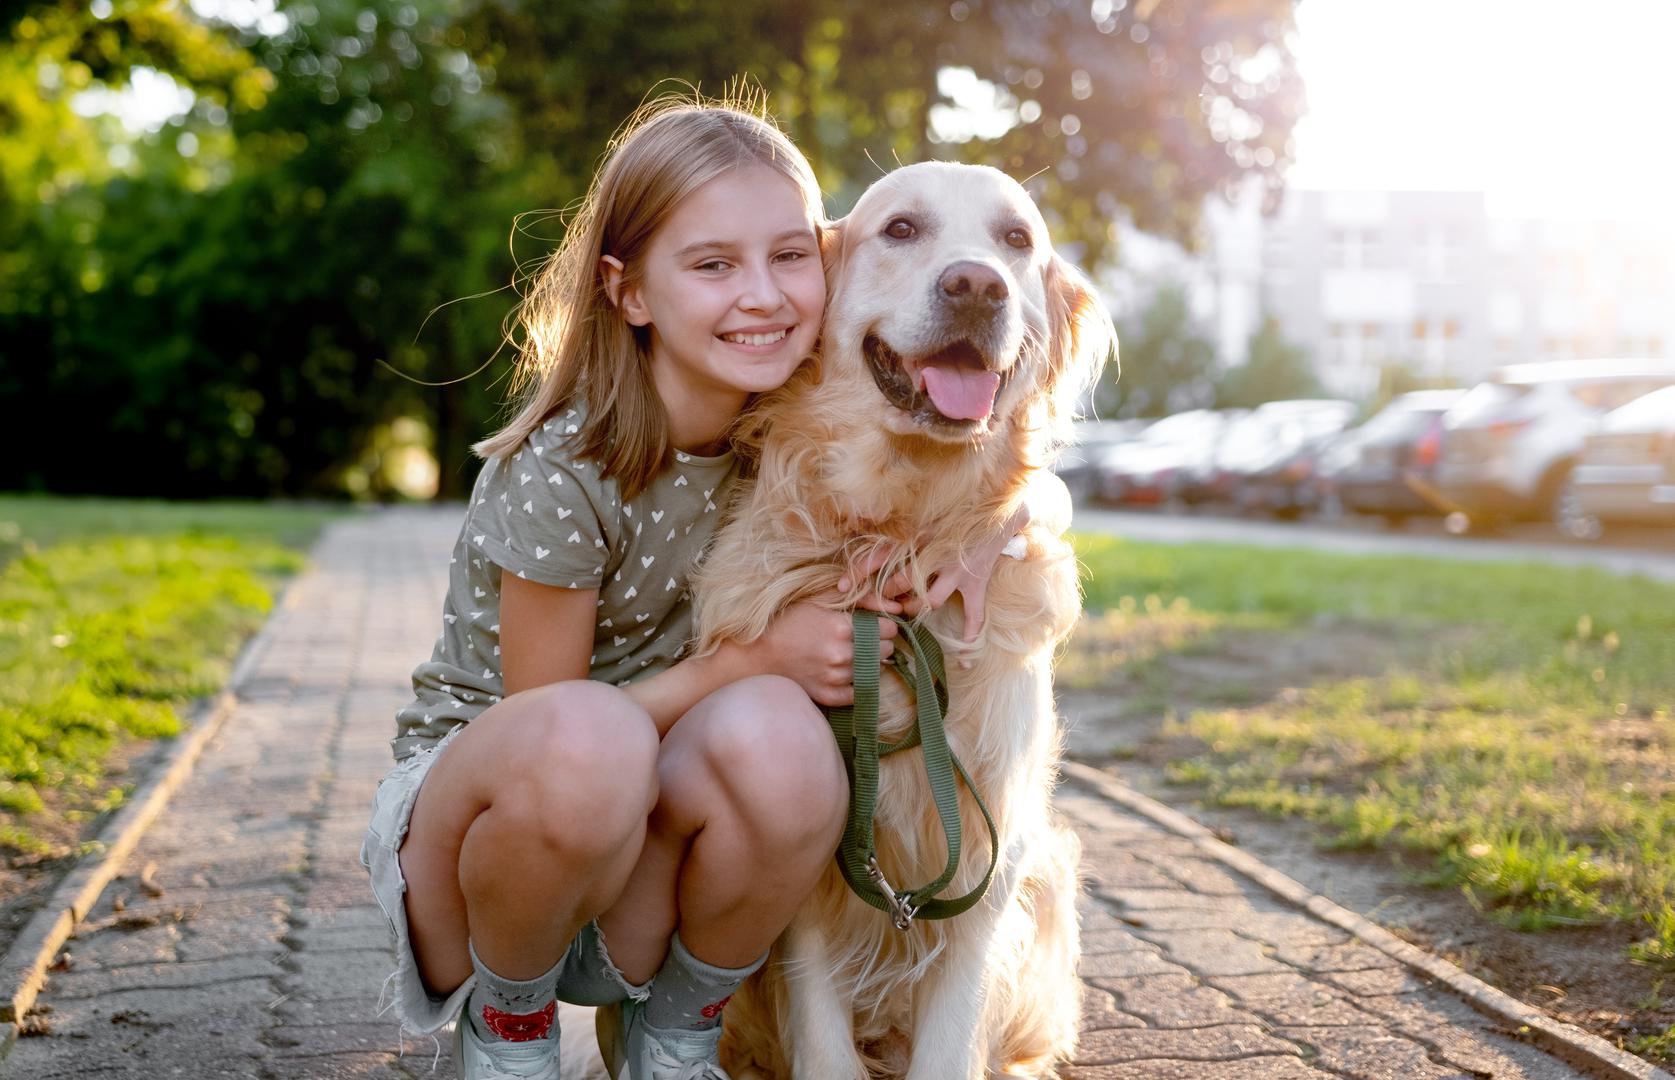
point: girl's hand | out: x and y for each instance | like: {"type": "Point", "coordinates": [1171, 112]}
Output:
{"type": "Point", "coordinates": [814, 646]}
{"type": "Point", "coordinates": [969, 578]}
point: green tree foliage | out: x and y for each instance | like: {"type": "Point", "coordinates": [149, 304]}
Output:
{"type": "Point", "coordinates": [221, 304]}
{"type": "Point", "coordinates": [1275, 371]}
{"type": "Point", "coordinates": [1121, 109]}
{"type": "Point", "coordinates": [231, 332]}
{"type": "Point", "coordinates": [1167, 363]}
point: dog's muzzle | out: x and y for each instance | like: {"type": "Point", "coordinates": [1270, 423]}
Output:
{"type": "Point", "coordinates": [952, 387]}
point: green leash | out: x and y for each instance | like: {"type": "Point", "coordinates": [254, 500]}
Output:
{"type": "Point", "coordinates": [856, 730]}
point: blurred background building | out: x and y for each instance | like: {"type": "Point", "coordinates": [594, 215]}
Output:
{"type": "Point", "coordinates": [1427, 282]}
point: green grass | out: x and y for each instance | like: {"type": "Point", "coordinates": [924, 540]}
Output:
{"type": "Point", "coordinates": [113, 616]}
{"type": "Point", "coordinates": [1528, 754]}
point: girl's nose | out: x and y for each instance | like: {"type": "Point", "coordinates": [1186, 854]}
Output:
{"type": "Point", "coordinates": [761, 290]}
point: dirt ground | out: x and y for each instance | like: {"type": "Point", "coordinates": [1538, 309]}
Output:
{"type": "Point", "coordinates": [26, 881]}
{"type": "Point", "coordinates": [1580, 976]}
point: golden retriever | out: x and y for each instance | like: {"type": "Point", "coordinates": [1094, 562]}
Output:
{"type": "Point", "coordinates": [956, 346]}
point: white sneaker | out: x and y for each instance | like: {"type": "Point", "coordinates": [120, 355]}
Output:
{"type": "Point", "coordinates": [474, 1059]}
{"type": "Point", "coordinates": [649, 1053]}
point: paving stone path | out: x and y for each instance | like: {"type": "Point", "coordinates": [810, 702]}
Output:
{"type": "Point", "coordinates": [264, 953]}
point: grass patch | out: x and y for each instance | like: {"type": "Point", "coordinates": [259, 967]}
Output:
{"type": "Point", "coordinates": [1529, 752]}
{"type": "Point", "coordinates": [113, 615]}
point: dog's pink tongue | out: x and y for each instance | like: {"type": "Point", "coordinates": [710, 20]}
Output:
{"type": "Point", "coordinates": [961, 392]}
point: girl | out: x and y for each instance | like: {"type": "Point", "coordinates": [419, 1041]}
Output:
{"type": "Point", "coordinates": [616, 823]}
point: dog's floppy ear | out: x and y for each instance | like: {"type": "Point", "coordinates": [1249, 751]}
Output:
{"type": "Point", "coordinates": [833, 252]}
{"type": "Point", "coordinates": [833, 237]}
{"type": "Point", "coordinates": [1081, 340]}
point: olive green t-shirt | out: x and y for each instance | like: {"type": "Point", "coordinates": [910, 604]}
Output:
{"type": "Point", "coordinates": [545, 516]}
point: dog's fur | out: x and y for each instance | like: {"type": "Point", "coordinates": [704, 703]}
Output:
{"type": "Point", "coordinates": [853, 466]}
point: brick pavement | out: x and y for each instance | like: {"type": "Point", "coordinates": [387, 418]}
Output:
{"type": "Point", "coordinates": [264, 954]}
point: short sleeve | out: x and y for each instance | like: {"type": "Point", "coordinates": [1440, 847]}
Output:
{"type": "Point", "coordinates": [536, 515]}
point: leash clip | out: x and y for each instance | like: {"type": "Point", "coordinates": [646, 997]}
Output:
{"type": "Point", "coordinates": [901, 912]}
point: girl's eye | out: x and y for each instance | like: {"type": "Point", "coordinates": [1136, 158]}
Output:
{"type": "Point", "coordinates": [900, 229]}
{"type": "Point", "coordinates": [1018, 238]}
{"type": "Point", "coordinates": [792, 256]}
{"type": "Point", "coordinates": [713, 264]}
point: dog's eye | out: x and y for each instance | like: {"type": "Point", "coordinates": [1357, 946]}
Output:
{"type": "Point", "coordinates": [900, 229]}
{"type": "Point", "coordinates": [1018, 238]}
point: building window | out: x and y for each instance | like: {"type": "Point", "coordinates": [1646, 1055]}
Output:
{"type": "Point", "coordinates": [1351, 249]}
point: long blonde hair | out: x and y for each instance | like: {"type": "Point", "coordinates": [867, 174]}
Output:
{"type": "Point", "coordinates": [573, 344]}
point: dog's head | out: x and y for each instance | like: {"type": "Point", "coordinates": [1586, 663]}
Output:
{"type": "Point", "coordinates": [945, 286]}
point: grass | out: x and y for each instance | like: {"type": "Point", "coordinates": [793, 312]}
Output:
{"type": "Point", "coordinates": [113, 616]}
{"type": "Point", "coordinates": [1528, 753]}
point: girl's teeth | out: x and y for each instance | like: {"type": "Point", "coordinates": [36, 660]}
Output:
{"type": "Point", "coordinates": [755, 339]}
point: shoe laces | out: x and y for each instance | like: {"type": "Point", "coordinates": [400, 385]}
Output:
{"type": "Point", "coordinates": [516, 1060]}
{"type": "Point", "coordinates": [692, 1054]}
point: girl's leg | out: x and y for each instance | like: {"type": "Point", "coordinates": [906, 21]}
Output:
{"type": "Point", "coordinates": [751, 803]}
{"type": "Point", "coordinates": [525, 828]}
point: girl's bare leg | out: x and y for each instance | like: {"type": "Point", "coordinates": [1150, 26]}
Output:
{"type": "Point", "coordinates": [752, 798]}
{"type": "Point", "coordinates": [526, 827]}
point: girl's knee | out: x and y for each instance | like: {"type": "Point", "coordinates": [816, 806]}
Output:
{"type": "Point", "coordinates": [590, 754]}
{"type": "Point", "coordinates": [774, 750]}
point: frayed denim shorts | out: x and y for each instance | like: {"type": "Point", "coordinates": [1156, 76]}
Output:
{"type": "Point", "coordinates": [420, 1012]}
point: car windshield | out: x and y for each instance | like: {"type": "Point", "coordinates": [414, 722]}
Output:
{"type": "Point", "coordinates": [1488, 397]}
{"type": "Point", "coordinates": [1395, 424]}
{"type": "Point", "coordinates": [1181, 426]}
{"type": "Point", "coordinates": [1615, 393]}
{"type": "Point", "coordinates": [1652, 412]}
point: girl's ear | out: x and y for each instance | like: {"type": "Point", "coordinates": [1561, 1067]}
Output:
{"type": "Point", "coordinates": [625, 299]}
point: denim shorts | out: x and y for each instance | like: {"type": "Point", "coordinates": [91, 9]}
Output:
{"type": "Point", "coordinates": [585, 963]}
{"type": "Point", "coordinates": [420, 1012]}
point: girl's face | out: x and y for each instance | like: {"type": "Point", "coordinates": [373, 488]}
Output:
{"type": "Point", "coordinates": [732, 290]}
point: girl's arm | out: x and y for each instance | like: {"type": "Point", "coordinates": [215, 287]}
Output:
{"type": "Point", "coordinates": [546, 635]}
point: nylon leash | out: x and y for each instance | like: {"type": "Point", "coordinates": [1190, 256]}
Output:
{"type": "Point", "coordinates": [855, 728]}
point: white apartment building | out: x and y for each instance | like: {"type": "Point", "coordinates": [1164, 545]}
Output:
{"type": "Point", "coordinates": [1429, 279]}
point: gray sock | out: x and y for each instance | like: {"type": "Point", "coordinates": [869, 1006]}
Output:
{"type": "Point", "coordinates": [506, 1010]}
{"type": "Point", "coordinates": [687, 993]}
{"type": "Point", "coordinates": [588, 976]}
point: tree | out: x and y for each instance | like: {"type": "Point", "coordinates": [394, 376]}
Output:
{"type": "Point", "coordinates": [1167, 363]}
{"type": "Point", "coordinates": [234, 321]}
{"type": "Point", "coordinates": [1275, 371]}
{"type": "Point", "coordinates": [1137, 110]}
{"type": "Point", "coordinates": [226, 297]}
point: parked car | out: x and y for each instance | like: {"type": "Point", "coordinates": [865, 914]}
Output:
{"type": "Point", "coordinates": [1381, 466]}
{"type": "Point", "coordinates": [1511, 442]}
{"type": "Point", "coordinates": [1268, 433]}
{"type": "Point", "coordinates": [1273, 470]}
{"type": "Point", "coordinates": [1626, 470]}
{"type": "Point", "coordinates": [1077, 463]}
{"type": "Point", "coordinates": [1149, 467]}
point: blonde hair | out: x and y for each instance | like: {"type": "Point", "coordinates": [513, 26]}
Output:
{"type": "Point", "coordinates": [573, 344]}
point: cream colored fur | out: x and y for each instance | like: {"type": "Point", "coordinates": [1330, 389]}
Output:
{"type": "Point", "coordinates": [842, 473]}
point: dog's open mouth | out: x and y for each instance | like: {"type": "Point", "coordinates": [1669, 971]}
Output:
{"type": "Point", "coordinates": [951, 386]}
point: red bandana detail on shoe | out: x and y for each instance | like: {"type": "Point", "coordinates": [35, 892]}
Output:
{"type": "Point", "coordinates": [525, 1028]}
{"type": "Point", "coordinates": [713, 1010]}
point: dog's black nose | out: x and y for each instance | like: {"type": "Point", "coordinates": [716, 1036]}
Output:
{"type": "Point", "coordinates": [972, 284]}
